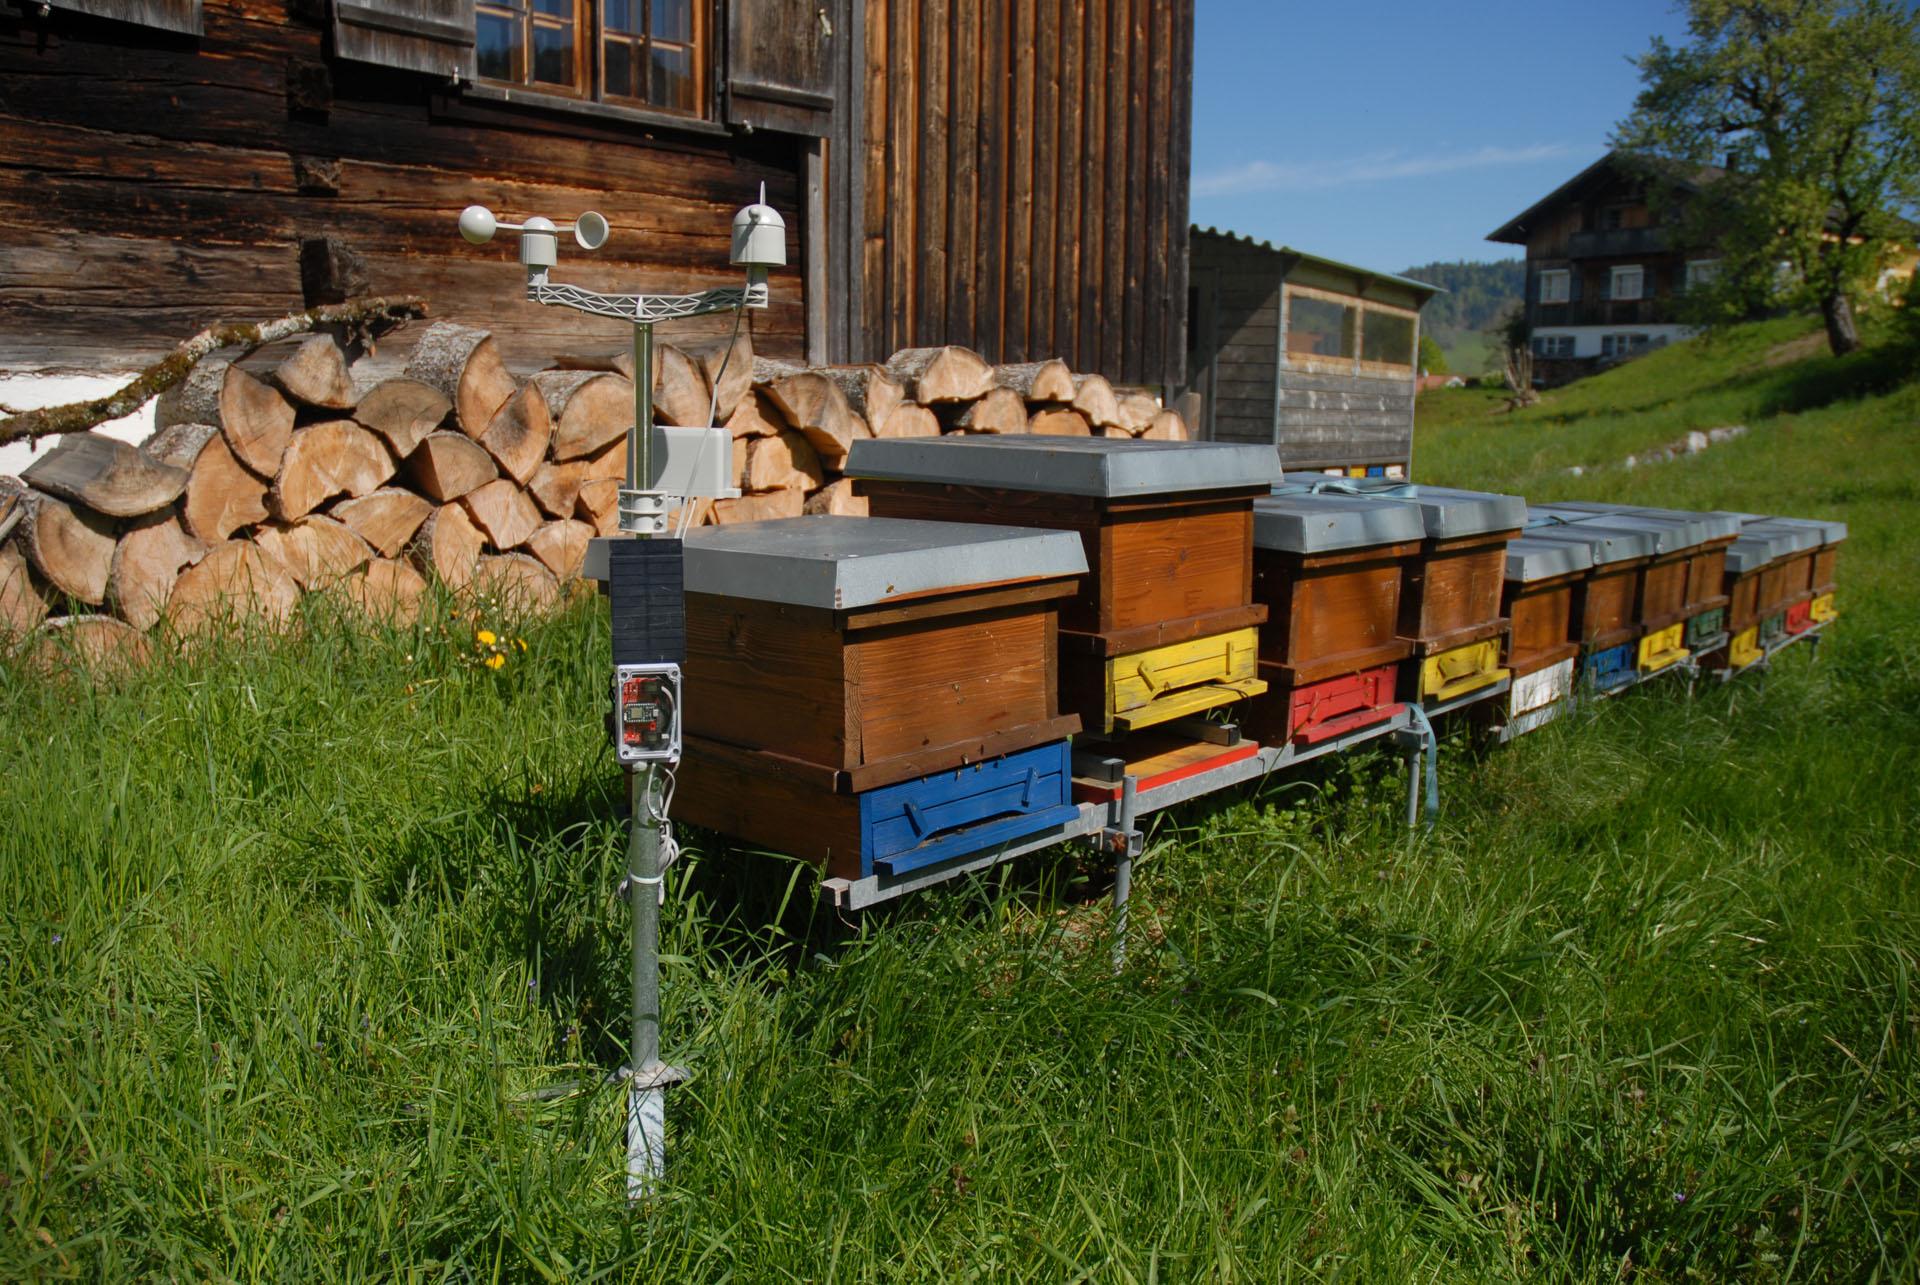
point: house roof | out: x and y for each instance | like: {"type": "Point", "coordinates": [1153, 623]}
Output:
{"type": "Point", "coordinates": [1684, 174]}
{"type": "Point", "coordinates": [1426, 290]}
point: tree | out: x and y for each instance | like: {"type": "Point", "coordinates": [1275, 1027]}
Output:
{"type": "Point", "coordinates": [1814, 105]}
{"type": "Point", "coordinates": [1432, 360]}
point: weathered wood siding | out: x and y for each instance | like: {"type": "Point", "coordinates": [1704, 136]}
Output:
{"type": "Point", "coordinates": [1023, 183]}
{"type": "Point", "coordinates": [151, 184]}
{"type": "Point", "coordinates": [1333, 421]}
{"type": "Point", "coordinates": [1236, 323]}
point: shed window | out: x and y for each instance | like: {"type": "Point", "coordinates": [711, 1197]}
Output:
{"type": "Point", "coordinates": [638, 52]}
{"type": "Point", "coordinates": [1318, 327]}
{"type": "Point", "coordinates": [1386, 337]}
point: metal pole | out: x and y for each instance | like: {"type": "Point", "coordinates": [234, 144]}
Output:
{"type": "Point", "coordinates": [1413, 787]}
{"type": "Point", "coordinates": [646, 1094]}
{"type": "Point", "coordinates": [1123, 871]}
{"type": "Point", "coordinates": [640, 440]}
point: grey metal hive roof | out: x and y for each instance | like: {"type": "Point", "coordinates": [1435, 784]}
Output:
{"type": "Point", "coordinates": [1800, 536]}
{"type": "Point", "coordinates": [842, 562]}
{"type": "Point", "coordinates": [1719, 525]}
{"type": "Point", "coordinates": [1670, 534]}
{"type": "Point", "coordinates": [1304, 523]}
{"type": "Point", "coordinates": [1529, 559]}
{"type": "Point", "coordinates": [1447, 511]}
{"type": "Point", "coordinates": [1757, 547]}
{"type": "Point", "coordinates": [1104, 467]}
{"type": "Point", "coordinates": [1606, 544]}
{"type": "Point", "coordinates": [1831, 531]}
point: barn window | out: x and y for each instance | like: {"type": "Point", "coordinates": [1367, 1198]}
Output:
{"type": "Point", "coordinates": [1318, 327]}
{"type": "Point", "coordinates": [1387, 338]}
{"type": "Point", "coordinates": [639, 52]}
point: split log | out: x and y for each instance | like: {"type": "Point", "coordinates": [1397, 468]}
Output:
{"type": "Point", "coordinates": [448, 465]}
{"type": "Point", "coordinates": [385, 590]}
{"type": "Point", "coordinates": [1060, 422]}
{"type": "Point", "coordinates": [222, 495]}
{"type": "Point", "coordinates": [71, 548]}
{"type": "Point", "coordinates": [838, 499]}
{"type": "Point", "coordinates": [949, 374]}
{"type": "Point", "coordinates": [556, 487]}
{"type": "Point", "coordinates": [760, 508]}
{"type": "Point", "coordinates": [403, 411]}
{"type": "Point", "coordinates": [1190, 406]}
{"type": "Point", "coordinates": [599, 504]}
{"type": "Point", "coordinates": [386, 519]}
{"type": "Point", "coordinates": [616, 361]}
{"type": "Point", "coordinates": [515, 584]}
{"type": "Point", "coordinates": [23, 604]}
{"type": "Point", "coordinates": [106, 475]}
{"type": "Point", "coordinates": [1113, 430]}
{"type": "Point", "coordinates": [702, 511]}
{"type": "Point", "coordinates": [588, 408]}
{"type": "Point", "coordinates": [97, 645]}
{"type": "Point", "coordinates": [234, 584]}
{"type": "Point", "coordinates": [517, 435]}
{"type": "Point", "coordinates": [561, 546]}
{"type": "Point", "coordinates": [503, 512]}
{"type": "Point", "coordinates": [755, 415]}
{"type": "Point", "coordinates": [1167, 426]}
{"type": "Point", "coordinates": [782, 463]}
{"type": "Point", "coordinates": [742, 452]}
{"type": "Point", "coordinates": [611, 462]}
{"type": "Point", "coordinates": [465, 364]}
{"type": "Point", "coordinates": [146, 563]}
{"type": "Point", "coordinates": [317, 551]}
{"type": "Point", "coordinates": [726, 366]}
{"type": "Point", "coordinates": [768, 369]}
{"type": "Point", "coordinates": [316, 373]}
{"type": "Point", "coordinates": [323, 461]}
{"type": "Point", "coordinates": [815, 406]}
{"type": "Point", "coordinates": [449, 546]}
{"type": "Point", "coordinates": [1136, 412]}
{"type": "Point", "coordinates": [680, 393]}
{"type": "Point", "coordinates": [870, 391]}
{"type": "Point", "coordinates": [11, 491]}
{"type": "Point", "coordinates": [909, 420]}
{"type": "Point", "coordinates": [1000, 411]}
{"type": "Point", "coordinates": [256, 420]}
{"type": "Point", "coordinates": [1093, 397]}
{"type": "Point", "coordinates": [1037, 381]}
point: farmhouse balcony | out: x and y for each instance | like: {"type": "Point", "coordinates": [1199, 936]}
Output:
{"type": "Point", "coordinates": [1601, 312]}
{"type": "Point", "coordinates": [1617, 242]}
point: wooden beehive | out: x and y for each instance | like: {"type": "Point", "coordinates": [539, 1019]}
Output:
{"type": "Point", "coordinates": [1450, 604]}
{"type": "Point", "coordinates": [1163, 624]}
{"type": "Point", "coordinates": [873, 652]}
{"type": "Point", "coordinates": [1543, 577]}
{"type": "Point", "coordinates": [1329, 569]}
{"type": "Point", "coordinates": [1605, 615]}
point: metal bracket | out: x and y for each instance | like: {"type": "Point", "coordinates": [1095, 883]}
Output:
{"type": "Point", "coordinates": [1196, 726]}
{"type": "Point", "coordinates": [655, 1075]}
{"type": "Point", "coordinates": [1119, 843]}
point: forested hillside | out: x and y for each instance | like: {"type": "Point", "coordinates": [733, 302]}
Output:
{"type": "Point", "coordinates": [1477, 294]}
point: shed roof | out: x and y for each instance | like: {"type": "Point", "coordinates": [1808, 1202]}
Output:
{"type": "Point", "coordinates": [1289, 256]}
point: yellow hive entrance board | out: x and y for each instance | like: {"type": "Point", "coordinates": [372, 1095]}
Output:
{"type": "Point", "coordinates": [1745, 648]}
{"type": "Point", "coordinates": [1662, 648]}
{"type": "Point", "coordinates": [1460, 670]}
{"type": "Point", "coordinates": [1821, 608]}
{"type": "Point", "coordinates": [1165, 683]}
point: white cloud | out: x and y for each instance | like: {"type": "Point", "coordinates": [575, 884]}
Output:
{"type": "Point", "coordinates": [1267, 176]}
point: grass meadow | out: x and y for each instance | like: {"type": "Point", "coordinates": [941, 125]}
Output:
{"type": "Point", "coordinates": [310, 967]}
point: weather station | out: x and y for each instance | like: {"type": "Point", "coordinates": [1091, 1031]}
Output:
{"type": "Point", "coordinates": [643, 568]}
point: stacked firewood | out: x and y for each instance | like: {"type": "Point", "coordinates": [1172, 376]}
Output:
{"type": "Point", "coordinates": [255, 489]}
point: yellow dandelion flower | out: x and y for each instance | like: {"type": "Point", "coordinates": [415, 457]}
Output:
{"type": "Point", "coordinates": [521, 643]}
{"type": "Point", "coordinates": [496, 660]}
{"type": "Point", "coordinates": [486, 638]}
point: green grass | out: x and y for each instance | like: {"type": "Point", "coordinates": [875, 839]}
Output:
{"type": "Point", "coordinates": [310, 968]}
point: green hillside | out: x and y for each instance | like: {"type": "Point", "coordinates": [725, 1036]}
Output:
{"type": "Point", "coordinates": [313, 967]}
{"type": "Point", "coordinates": [1478, 294]}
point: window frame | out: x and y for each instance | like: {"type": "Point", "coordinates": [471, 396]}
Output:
{"type": "Point", "coordinates": [1699, 272]}
{"type": "Point", "coordinates": [1356, 326]}
{"type": "Point", "coordinates": [1563, 277]}
{"type": "Point", "coordinates": [589, 60]}
{"type": "Point", "coordinates": [1639, 272]}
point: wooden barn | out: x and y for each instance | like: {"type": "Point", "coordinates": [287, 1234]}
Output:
{"type": "Point", "coordinates": [1315, 356]}
{"type": "Point", "coordinates": [1011, 177]}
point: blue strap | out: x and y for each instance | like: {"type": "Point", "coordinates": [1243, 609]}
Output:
{"type": "Point", "coordinates": [1424, 726]}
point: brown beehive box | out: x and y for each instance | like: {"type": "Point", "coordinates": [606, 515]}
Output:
{"type": "Point", "coordinates": [863, 652]}
{"type": "Point", "coordinates": [1543, 577]}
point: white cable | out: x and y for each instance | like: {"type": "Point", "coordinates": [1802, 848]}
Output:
{"type": "Point", "coordinates": [713, 405]}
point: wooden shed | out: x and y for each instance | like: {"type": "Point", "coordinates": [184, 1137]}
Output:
{"type": "Point", "coordinates": [1317, 357]}
{"type": "Point", "coordinates": [1012, 177]}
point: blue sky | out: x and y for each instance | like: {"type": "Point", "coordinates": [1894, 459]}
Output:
{"type": "Point", "coordinates": [1398, 132]}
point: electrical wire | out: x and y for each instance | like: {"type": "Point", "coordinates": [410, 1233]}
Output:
{"type": "Point", "coordinates": [713, 406]}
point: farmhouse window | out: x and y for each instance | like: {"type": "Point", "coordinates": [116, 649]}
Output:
{"type": "Point", "coordinates": [1555, 285]}
{"type": "Point", "coordinates": [1553, 345]}
{"type": "Point", "coordinates": [1626, 282]}
{"type": "Point", "coordinates": [168, 15]}
{"type": "Point", "coordinates": [1701, 271]}
{"type": "Point", "coordinates": [647, 50]}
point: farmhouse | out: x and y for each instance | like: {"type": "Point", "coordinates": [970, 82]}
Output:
{"type": "Point", "coordinates": [1314, 356]}
{"type": "Point", "coordinates": [1011, 177]}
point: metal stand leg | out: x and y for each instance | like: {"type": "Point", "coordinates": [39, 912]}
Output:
{"type": "Point", "coordinates": [1413, 786]}
{"type": "Point", "coordinates": [1125, 850]}
{"type": "Point", "coordinates": [646, 1098]}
